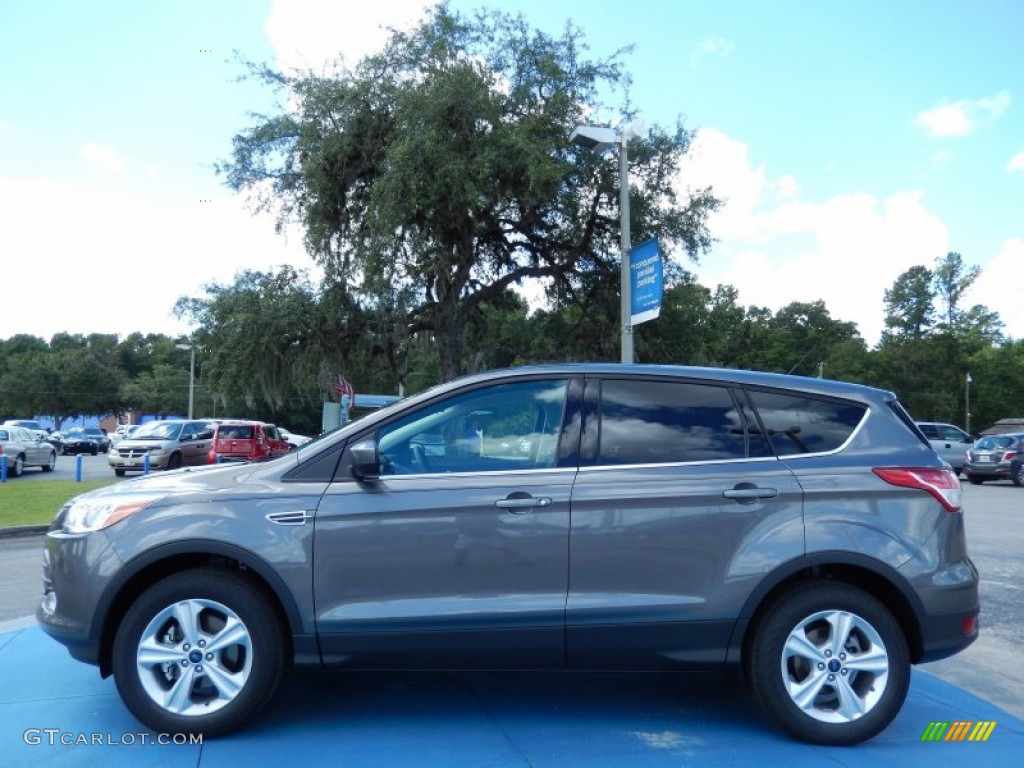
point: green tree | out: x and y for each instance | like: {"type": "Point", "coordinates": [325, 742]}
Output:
{"type": "Point", "coordinates": [910, 305]}
{"type": "Point", "coordinates": [441, 169]}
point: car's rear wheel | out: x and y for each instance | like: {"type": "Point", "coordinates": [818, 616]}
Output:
{"type": "Point", "coordinates": [1017, 474]}
{"type": "Point", "coordinates": [51, 462]}
{"type": "Point", "coordinates": [174, 461]}
{"type": "Point", "coordinates": [199, 652]}
{"type": "Point", "coordinates": [975, 480]}
{"type": "Point", "coordinates": [829, 663]}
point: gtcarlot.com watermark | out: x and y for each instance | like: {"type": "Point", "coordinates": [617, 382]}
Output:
{"type": "Point", "coordinates": [55, 736]}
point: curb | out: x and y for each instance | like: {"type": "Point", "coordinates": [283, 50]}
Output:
{"type": "Point", "coordinates": [23, 530]}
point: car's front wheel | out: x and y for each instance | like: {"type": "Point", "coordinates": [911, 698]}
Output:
{"type": "Point", "coordinates": [18, 466]}
{"type": "Point", "coordinates": [975, 480]}
{"type": "Point", "coordinates": [829, 663]}
{"type": "Point", "coordinates": [199, 652]}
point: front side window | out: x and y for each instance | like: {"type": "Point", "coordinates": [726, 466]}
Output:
{"type": "Point", "coordinates": [657, 422]}
{"type": "Point", "coordinates": [497, 428]}
{"type": "Point", "coordinates": [799, 424]}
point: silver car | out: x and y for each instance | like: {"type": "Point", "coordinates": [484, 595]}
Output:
{"type": "Point", "coordinates": [24, 448]}
{"type": "Point", "coordinates": [162, 445]}
{"type": "Point", "coordinates": [576, 516]}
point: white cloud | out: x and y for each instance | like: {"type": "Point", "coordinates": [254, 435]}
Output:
{"type": "Point", "coordinates": [961, 117]}
{"type": "Point", "coordinates": [119, 246]}
{"type": "Point", "coordinates": [1016, 162]}
{"type": "Point", "coordinates": [715, 45]}
{"type": "Point", "coordinates": [310, 34]}
{"type": "Point", "coordinates": [846, 250]}
{"type": "Point", "coordinates": [101, 156]}
{"type": "Point", "coordinates": [1001, 286]}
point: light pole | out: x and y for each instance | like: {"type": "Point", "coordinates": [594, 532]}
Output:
{"type": "Point", "coordinates": [191, 376]}
{"type": "Point", "coordinates": [599, 139]}
{"type": "Point", "coordinates": [967, 406]}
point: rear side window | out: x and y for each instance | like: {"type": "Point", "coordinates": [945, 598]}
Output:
{"type": "Point", "coordinates": [235, 432]}
{"type": "Point", "coordinates": [798, 424]}
{"type": "Point", "coordinates": [659, 422]}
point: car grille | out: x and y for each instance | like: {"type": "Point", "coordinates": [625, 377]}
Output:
{"type": "Point", "coordinates": [131, 453]}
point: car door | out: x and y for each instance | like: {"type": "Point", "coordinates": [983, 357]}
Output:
{"type": "Point", "coordinates": [195, 442]}
{"type": "Point", "coordinates": [457, 556]}
{"type": "Point", "coordinates": [678, 511]}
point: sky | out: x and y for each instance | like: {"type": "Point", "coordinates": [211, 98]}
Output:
{"type": "Point", "coordinates": [849, 140]}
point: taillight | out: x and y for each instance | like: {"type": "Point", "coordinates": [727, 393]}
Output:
{"type": "Point", "coordinates": [1007, 456]}
{"type": "Point", "coordinates": [943, 484]}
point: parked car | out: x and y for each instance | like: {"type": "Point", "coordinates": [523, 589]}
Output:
{"type": "Point", "coordinates": [122, 431]}
{"type": "Point", "coordinates": [949, 441]}
{"type": "Point", "coordinates": [167, 444]}
{"type": "Point", "coordinates": [293, 439]}
{"type": "Point", "coordinates": [98, 436]}
{"type": "Point", "coordinates": [75, 442]}
{"type": "Point", "coordinates": [247, 441]}
{"type": "Point", "coordinates": [991, 458]}
{"type": "Point", "coordinates": [661, 518]}
{"type": "Point", "coordinates": [23, 448]}
{"type": "Point", "coordinates": [30, 424]}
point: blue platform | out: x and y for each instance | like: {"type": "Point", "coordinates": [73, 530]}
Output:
{"type": "Point", "coordinates": [468, 719]}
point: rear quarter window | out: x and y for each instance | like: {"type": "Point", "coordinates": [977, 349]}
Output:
{"type": "Point", "coordinates": [798, 424]}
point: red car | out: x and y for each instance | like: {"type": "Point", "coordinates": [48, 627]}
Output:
{"type": "Point", "coordinates": [247, 441]}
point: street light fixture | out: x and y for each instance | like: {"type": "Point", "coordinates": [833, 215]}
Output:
{"type": "Point", "coordinates": [191, 377]}
{"type": "Point", "coordinates": [967, 405]}
{"type": "Point", "coordinates": [599, 139]}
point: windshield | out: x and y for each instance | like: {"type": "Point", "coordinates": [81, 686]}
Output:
{"type": "Point", "coordinates": [159, 430]}
{"type": "Point", "coordinates": [994, 443]}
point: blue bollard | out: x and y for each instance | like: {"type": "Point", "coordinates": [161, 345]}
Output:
{"type": "Point", "coordinates": [145, 464]}
{"type": "Point", "coordinates": [3, 469]}
{"type": "Point", "coordinates": [78, 468]}
{"type": "Point", "coordinates": [220, 459]}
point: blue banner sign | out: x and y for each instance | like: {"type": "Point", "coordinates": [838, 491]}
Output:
{"type": "Point", "coordinates": [646, 280]}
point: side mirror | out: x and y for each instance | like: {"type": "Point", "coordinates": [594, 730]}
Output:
{"type": "Point", "coordinates": [365, 461]}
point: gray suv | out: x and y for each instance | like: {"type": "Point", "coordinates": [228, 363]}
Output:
{"type": "Point", "coordinates": [573, 516]}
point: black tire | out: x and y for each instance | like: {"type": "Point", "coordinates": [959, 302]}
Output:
{"type": "Point", "coordinates": [975, 480]}
{"type": "Point", "coordinates": [93, 451]}
{"type": "Point", "coordinates": [18, 467]}
{"type": "Point", "coordinates": [119, 472]}
{"type": "Point", "coordinates": [795, 641]}
{"type": "Point", "coordinates": [50, 462]}
{"type": "Point", "coordinates": [1017, 473]}
{"type": "Point", "coordinates": [174, 461]}
{"type": "Point", "coordinates": [255, 663]}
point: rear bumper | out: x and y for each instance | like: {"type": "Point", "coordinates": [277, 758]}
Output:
{"type": "Point", "coordinates": [947, 634]}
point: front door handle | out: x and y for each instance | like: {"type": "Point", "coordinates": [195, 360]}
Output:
{"type": "Point", "coordinates": [520, 503]}
{"type": "Point", "coordinates": [748, 493]}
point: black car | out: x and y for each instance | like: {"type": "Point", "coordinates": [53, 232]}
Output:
{"type": "Point", "coordinates": [992, 457]}
{"type": "Point", "coordinates": [99, 436]}
{"type": "Point", "coordinates": [78, 441]}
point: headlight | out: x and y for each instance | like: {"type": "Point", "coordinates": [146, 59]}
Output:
{"type": "Point", "coordinates": [85, 515]}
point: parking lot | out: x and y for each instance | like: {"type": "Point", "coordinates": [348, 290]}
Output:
{"type": "Point", "coordinates": [532, 719]}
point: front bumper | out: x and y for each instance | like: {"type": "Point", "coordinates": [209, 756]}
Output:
{"type": "Point", "coordinates": [75, 574]}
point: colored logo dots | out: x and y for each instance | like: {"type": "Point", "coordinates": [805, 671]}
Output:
{"type": "Point", "coordinates": [206, 200]}
{"type": "Point", "coordinates": [206, 50]}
